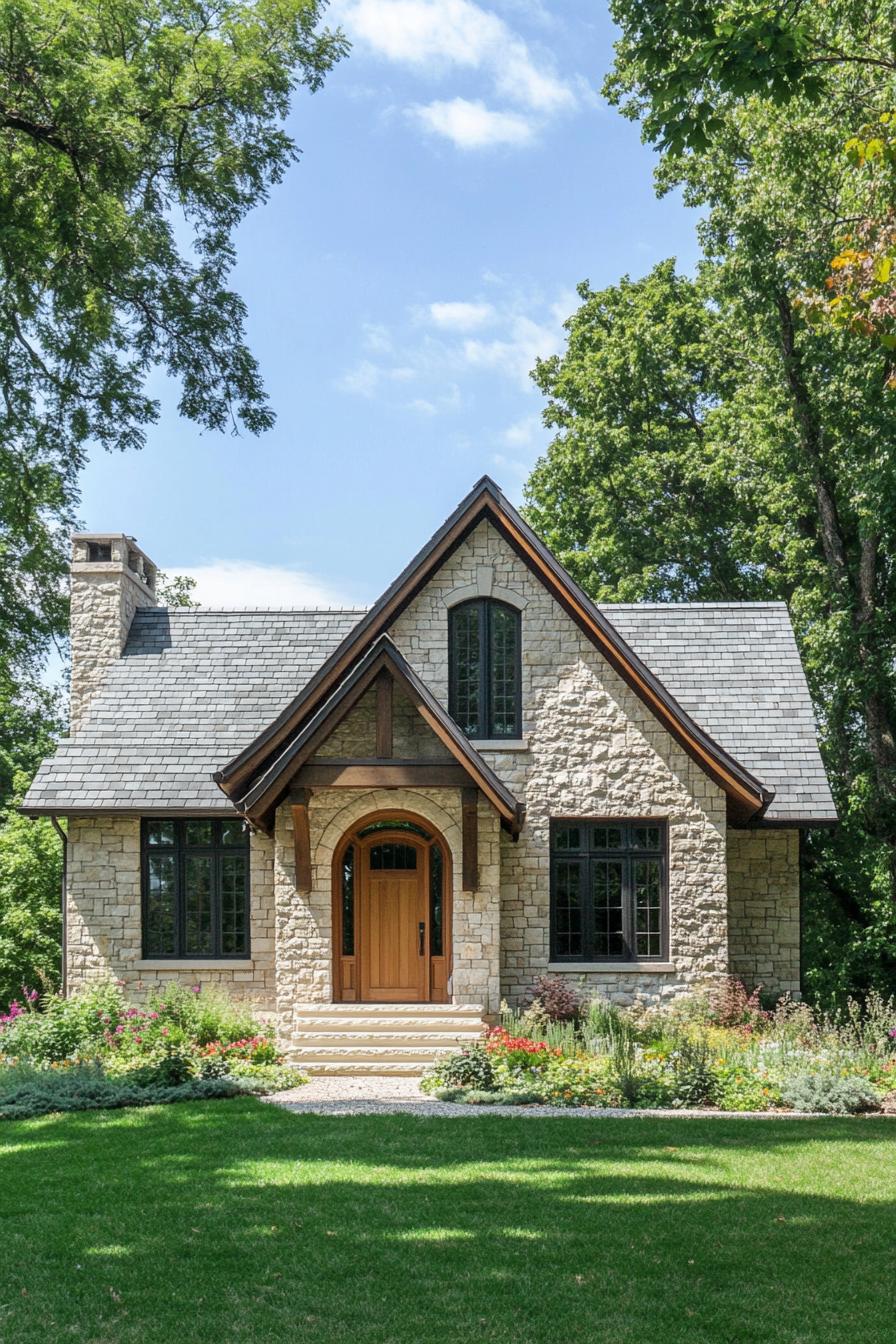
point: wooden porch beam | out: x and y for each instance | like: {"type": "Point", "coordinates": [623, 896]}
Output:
{"type": "Point", "coordinates": [470, 838]}
{"type": "Point", "coordinates": [298, 802]}
{"type": "Point", "coordinates": [382, 775]}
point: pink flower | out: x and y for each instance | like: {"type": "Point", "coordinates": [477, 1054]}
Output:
{"type": "Point", "coordinates": [164, 1031]}
{"type": "Point", "coordinates": [197, 989]}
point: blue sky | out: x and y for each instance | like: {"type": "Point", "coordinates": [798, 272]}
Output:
{"type": "Point", "coordinates": [459, 176]}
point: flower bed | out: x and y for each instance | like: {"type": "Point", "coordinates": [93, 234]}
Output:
{"type": "Point", "coordinates": [719, 1050]}
{"type": "Point", "coordinates": [97, 1049]}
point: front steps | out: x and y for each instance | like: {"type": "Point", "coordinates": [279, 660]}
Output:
{"type": "Point", "coordinates": [351, 1040]}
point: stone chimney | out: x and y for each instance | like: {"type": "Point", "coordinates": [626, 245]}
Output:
{"type": "Point", "coordinates": [111, 578]}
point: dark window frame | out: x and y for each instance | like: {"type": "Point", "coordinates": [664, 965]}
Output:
{"type": "Point", "coordinates": [485, 726]}
{"type": "Point", "coordinates": [586, 856]}
{"type": "Point", "coordinates": [181, 851]}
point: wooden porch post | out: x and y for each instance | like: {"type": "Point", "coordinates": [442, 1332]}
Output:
{"type": "Point", "coordinates": [299, 799]}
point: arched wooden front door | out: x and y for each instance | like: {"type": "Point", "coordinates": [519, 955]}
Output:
{"type": "Point", "coordinates": [391, 912]}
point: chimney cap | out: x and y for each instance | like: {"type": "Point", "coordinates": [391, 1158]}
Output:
{"type": "Point", "coordinates": [119, 552]}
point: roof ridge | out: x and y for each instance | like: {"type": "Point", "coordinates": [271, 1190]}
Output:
{"type": "Point", "coordinates": [776, 602]}
{"type": "Point", "coordinates": [242, 611]}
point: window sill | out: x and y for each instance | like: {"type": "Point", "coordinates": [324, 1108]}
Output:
{"type": "Point", "coordinates": [189, 964]}
{"type": "Point", "coordinates": [500, 743]}
{"type": "Point", "coordinates": [606, 967]}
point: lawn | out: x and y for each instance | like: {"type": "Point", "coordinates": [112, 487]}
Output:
{"type": "Point", "coordinates": [238, 1221]}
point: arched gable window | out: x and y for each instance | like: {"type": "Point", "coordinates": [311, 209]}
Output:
{"type": "Point", "coordinates": [484, 669]}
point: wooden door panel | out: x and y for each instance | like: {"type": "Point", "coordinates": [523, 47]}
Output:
{"type": "Point", "coordinates": [393, 969]}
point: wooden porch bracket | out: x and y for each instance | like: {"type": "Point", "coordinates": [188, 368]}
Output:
{"type": "Point", "coordinates": [470, 839]}
{"type": "Point", "coordinates": [298, 802]}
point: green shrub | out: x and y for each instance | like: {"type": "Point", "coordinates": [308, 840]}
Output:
{"type": "Point", "coordinates": [52, 1028]}
{"type": "Point", "coordinates": [829, 1093]}
{"type": "Point", "coordinates": [695, 1083]}
{"type": "Point", "coordinates": [26, 1092]}
{"type": "Point", "coordinates": [744, 1089]}
{"type": "Point", "coordinates": [203, 1016]}
{"type": "Point", "coordinates": [470, 1067]}
{"type": "Point", "coordinates": [265, 1078]}
{"type": "Point", "coordinates": [471, 1096]}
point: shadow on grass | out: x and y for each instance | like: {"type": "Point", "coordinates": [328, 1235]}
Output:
{"type": "Point", "coordinates": [236, 1221]}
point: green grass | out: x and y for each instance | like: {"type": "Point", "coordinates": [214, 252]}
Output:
{"type": "Point", "coordinates": [235, 1220]}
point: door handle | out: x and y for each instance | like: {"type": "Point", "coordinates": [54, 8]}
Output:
{"type": "Point", "coordinates": [421, 930]}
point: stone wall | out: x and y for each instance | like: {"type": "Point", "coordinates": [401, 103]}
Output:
{"type": "Point", "coordinates": [103, 908]}
{"type": "Point", "coordinates": [304, 921]}
{"type": "Point", "coordinates": [591, 748]}
{"type": "Point", "coordinates": [764, 908]}
{"type": "Point", "coordinates": [412, 738]}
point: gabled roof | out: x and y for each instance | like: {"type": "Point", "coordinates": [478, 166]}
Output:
{"type": "Point", "coordinates": [747, 796]}
{"type": "Point", "coordinates": [194, 684]}
{"type": "Point", "coordinates": [269, 788]}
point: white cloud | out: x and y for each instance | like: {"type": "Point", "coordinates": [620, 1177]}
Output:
{"type": "Point", "coordinates": [515, 355]}
{"type": "Point", "coordinates": [377, 338]}
{"type": "Point", "coordinates": [461, 316]}
{"type": "Point", "coordinates": [459, 340]}
{"type": "Point", "coordinates": [472, 125]}
{"type": "Point", "coordinates": [435, 37]}
{"type": "Point", "coordinates": [247, 583]}
{"type": "Point", "coordinates": [365, 379]}
{"type": "Point", "coordinates": [522, 433]}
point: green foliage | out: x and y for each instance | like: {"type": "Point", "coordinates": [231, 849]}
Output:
{"type": "Point", "coordinates": [30, 896]}
{"type": "Point", "coordinates": [829, 1093]}
{"type": "Point", "coordinates": [203, 1017]}
{"type": "Point", "coordinates": [695, 59]}
{"type": "Point", "coordinates": [135, 136]}
{"type": "Point", "coordinates": [679, 1056]}
{"type": "Point", "coordinates": [714, 444]}
{"type": "Point", "coordinates": [468, 1068]}
{"type": "Point", "coordinates": [696, 1083]}
{"type": "Point", "coordinates": [26, 1091]}
{"type": "Point", "coordinates": [176, 590]}
{"type": "Point", "coordinates": [94, 1049]}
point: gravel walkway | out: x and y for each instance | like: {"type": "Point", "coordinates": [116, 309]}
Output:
{"type": "Point", "coordinates": [395, 1096]}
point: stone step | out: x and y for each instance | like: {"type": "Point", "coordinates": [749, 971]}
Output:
{"type": "Point", "coordinates": [361, 1070]}
{"type": "Point", "coordinates": [388, 1009]}
{"type": "Point", "coordinates": [305, 1025]}
{"type": "Point", "coordinates": [307, 1057]}
{"type": "Point", "coordinates": [424, 1040]}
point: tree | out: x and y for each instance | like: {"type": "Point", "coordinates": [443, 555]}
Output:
{"type": "Point", "coordinates": [135, 135]}
{"type": "Point", "coordinates": [698, 62]}
{"type": "Point", "coordinates": [30, 901]}
{"type": "Point", "coordinates": [795, 418]}
{"type": "Point", "coordinates": [697, 59]}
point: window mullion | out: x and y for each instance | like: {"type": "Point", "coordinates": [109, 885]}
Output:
{"type": "Point", "coordinates": [215, 894]}
{"type": "Point", "coordinates": [485, 671]}
{"type": "Point", "coordinates": [588, 934]}
{"type": "Point", "coordinates": [628, 898]}
{"type": "Point", "coordinates": [180, 879]}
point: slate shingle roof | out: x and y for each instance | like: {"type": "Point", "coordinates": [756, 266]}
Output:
{"type": "Point", "coordinates": [194, 687]}
{"type": "Point", "coordinates": [735, 668]}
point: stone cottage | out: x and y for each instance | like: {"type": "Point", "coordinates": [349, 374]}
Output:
{"type": "Point", "coordinates": [377, 824]}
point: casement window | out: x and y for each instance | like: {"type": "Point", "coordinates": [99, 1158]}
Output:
{"type": "Point", "coordinates": [609, 890]}
{"type": "Point", "coordinates": [195, 889]}
{"type": "Point", "coordinates": [484, 669]}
